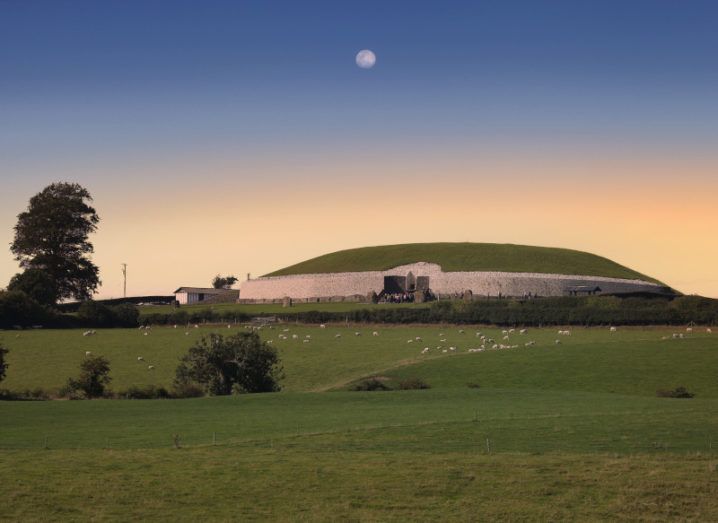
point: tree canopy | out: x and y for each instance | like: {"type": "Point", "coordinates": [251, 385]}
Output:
{"type": "Point", "coordinates": [239, 363]}
{"type": "Point", "coordinates": [223, 282]}
{"type": "Point", "coordinates": [52, 236]}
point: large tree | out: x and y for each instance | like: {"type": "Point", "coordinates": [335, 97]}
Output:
{"type": "Point", "coordinates": [52, 236]}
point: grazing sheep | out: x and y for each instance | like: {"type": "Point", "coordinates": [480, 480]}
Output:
{"type": "Point", "coordinates": [147, 333]}
{"type": "Point", "coordinates": [529, 343]}
{"type": "Point", "coordinates": [375, 333]}
{"type": "Point", "coordinates": [461, 331]}
{"type": "Point", "coordinates": [613, 329]}
{"type": "Point", "coordinates": [308, 337]}
{"type": "Point", "coordinates": [294, 336]}
{"type": "Point", "coordinates": [504, 332]}
{"type": "Point", "coordinates": [186, 333]}
{"type": "Point", "coordinates": [523, 331]}
{"type": "Point", "coordinates": [505, 338]}
{"type": "Point", "coordinates": [305, 341]}
{"type": "Point", "coordinates": [175, 326]}
{"type": "Point", "coordinates": [337, 335]}
{"type": "Point", "coordinates": [270, 342]}
{"type": "Point", "coordinates": [357, 333]}
{"type": "Point", "coordinates": [452, 348]}
{"type": "Point", "coordinates": [689, 329]}
{"type": "Point", "coordinates": [557, 342]}
{"type": "Point", "coordinates": [443, 340]}
{"type": "Point", "coordinates": [410, 341]}
{"type": "Point", "coordinates": [511, 330]}
{"type": "Point", "coordinates": [196, 326]}
{"type": "Point", "coordinates": [426, 349]}
{"type": "Point", "coordinates": [140, 358]}
{"type": "Point", "coordinates": [229, 326]}
{"type": "Point", "coordinates": [418, 338]}
{"type": "Point", "coordinates": [88, 353]}
{"type": "Point", "coordinates": [322, 326]}
{"type": "Point", "coordinates": [443, 350]}
{"type": "Point", "coordinates": [150, 367]}
{"type": "Point", "coordinates": [709, 330]}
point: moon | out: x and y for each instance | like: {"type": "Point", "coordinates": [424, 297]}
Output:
{"type": "Point", "coordinates": [366, 59]}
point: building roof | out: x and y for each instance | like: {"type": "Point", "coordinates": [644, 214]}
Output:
{"type": "Point", "coordinates": [203, 290]}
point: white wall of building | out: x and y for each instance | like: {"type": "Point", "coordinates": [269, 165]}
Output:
{"type": "Point", "coordinates": [484, 283]}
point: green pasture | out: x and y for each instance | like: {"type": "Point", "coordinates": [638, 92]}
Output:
{"type": "Point", "coordinates": [630, 361]}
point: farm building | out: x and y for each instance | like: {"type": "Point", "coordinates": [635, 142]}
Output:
{"type": "Point", "coordinates": [191, 295]}
{"type": "Point", "coordinates": [416, 271]}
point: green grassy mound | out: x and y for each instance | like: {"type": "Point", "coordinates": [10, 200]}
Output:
{"type": "Point", "coordinates": [455, 257]}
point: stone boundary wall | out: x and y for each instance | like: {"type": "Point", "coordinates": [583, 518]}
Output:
{"type": "Point", "coordinates": [334, 286]}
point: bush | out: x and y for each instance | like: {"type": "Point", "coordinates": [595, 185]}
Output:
{"type": "Point", "coordinates": [149, 392]}
{"type": "Point", "coordinates": [413, 384]}
{"type": "Point", "coordinates": [25, 395]}
{"type": "Point", "coordinates": [3, 363]}
{"type": "Point", "coordinates": [17, 309]}
{"type": "Point", "coordinates": [239, 363]}
{"type": "Point", "coordinates": [187, 390]}
{"type": "Point", "coordinates": [370, 384]}
{"type": "Point", "coordinates": [94, 377]}
{"type": "Point", "coordinates": [95, 314]}
{"type": "Point", "coordinates": [678, 392]}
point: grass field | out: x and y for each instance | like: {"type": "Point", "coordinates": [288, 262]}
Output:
{"type": "Point", "coordinates": [569, 431]}
{"type": "Point", "coordinates": [465, 257]}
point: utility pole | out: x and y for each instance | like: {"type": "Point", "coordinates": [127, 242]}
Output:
{"type": "Point", "coordinates": [124, 274]}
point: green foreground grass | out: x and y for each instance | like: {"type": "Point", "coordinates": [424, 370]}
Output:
{"type": "Point", "coordinates": [555, 432]}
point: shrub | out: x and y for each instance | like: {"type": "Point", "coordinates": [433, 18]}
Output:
{"type": "Point", "coordinates": [240, 363]}
{"type": "Point", "coordinates": [19, 309]}
{"type": "Point", "coordinates": [95, 314]}
{"type": "Point", "coordinates": [3, 363]}
{"type": "Point", "coordinates": [125, 315]}
{"type": "Point", "coordinates": [25, 395]}
{"type": "Point", "coordinates": [94, 377]}
{"type": "Point", "coordinates": [413, 384]}
{"type": "Point", "coordinates": [187, 390]}
{"type": "Point", "coordinates": [148, 392]}
{"type": "Point", "coordinates": [370, 384]}
{"type": "Point", "coordinates": [678, 392]}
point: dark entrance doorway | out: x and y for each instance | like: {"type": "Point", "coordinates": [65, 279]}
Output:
{"type": "Point", "coordinates": [394, 284]}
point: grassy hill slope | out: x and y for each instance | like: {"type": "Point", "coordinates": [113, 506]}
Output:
{"type": "Point", "coordinates": [455, 257]}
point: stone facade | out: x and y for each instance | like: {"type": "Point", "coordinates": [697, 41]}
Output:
{"type": "Point", "coordinates": [355, 286]}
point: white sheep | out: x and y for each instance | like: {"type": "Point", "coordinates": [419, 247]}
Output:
{"type": "Point", "coordinates": [557, 342]}
{"type": "Point", "coordinates": [309, 337]}
{"type": "Point", "coordinates": [337, 335]}
{"type": "Point", "coordinates": [175, 326]}
{"type": "Point", "coordinates": [322, 326]}
{"type": "Point", "coordinates": [150, 367]}
{"type": "Point", "coordinates": [305, 341]}
{"type": "Point", "coordinates": [709, 330]}
{"type": "Point", "coordinates": [689, 329]}
{"type": "Point", "coordinates": [461, 331]}
{"type": "Point", "coordinates": [186, 333]}
{"type": "Point", "coordinates": [147, 333]}
{"type": "Point", "coordinates": [523, 331]}
{"type": "Point", "coordinates": [613, 329]}
{"type": "Point", "coordinates": [196, 326]}
{"type": "Point", "coordinates": [140, 358]}
{"type": "Point", "coordinates": [410, 341]}
{"type": "Point", "coordinates": [375, 333]}
{"type": "Point", "coordinates": [88, 353]}
{"type": "Point", "coordinates": [294, 336]}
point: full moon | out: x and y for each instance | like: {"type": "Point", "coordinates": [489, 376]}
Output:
{"type": "Point", "coordinates": [366, 59]}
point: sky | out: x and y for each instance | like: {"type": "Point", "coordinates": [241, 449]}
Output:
{"type": "Point", "coordinates": [240, 136]}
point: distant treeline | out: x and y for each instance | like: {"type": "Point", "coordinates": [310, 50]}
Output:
{"type": "Point", "coordinates": [135, 300]}
{"type": "Point", "coordinates": [18, 310]}
{"type": "Point", "coordinates": [595, 310]}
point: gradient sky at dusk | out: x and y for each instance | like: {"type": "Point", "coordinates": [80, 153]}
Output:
{"type": "Point", "coordinates": [238, 136]}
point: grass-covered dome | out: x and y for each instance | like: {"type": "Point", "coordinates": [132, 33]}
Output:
{"type": "Point", "coordinates": [453, 257]}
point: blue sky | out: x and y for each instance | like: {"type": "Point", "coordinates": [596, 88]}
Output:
{"type": "Point", "coordinates": [246, 93]}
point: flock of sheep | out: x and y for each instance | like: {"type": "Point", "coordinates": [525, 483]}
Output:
{"type": "Point", "coordinates": [486, 342]}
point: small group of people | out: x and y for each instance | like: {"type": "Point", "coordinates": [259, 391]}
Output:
{"type": "Point", "coordinates": [405, 297]}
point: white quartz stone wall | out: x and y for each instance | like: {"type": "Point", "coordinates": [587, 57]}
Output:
{"type": "Point", "coordinates": [305, 286]}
